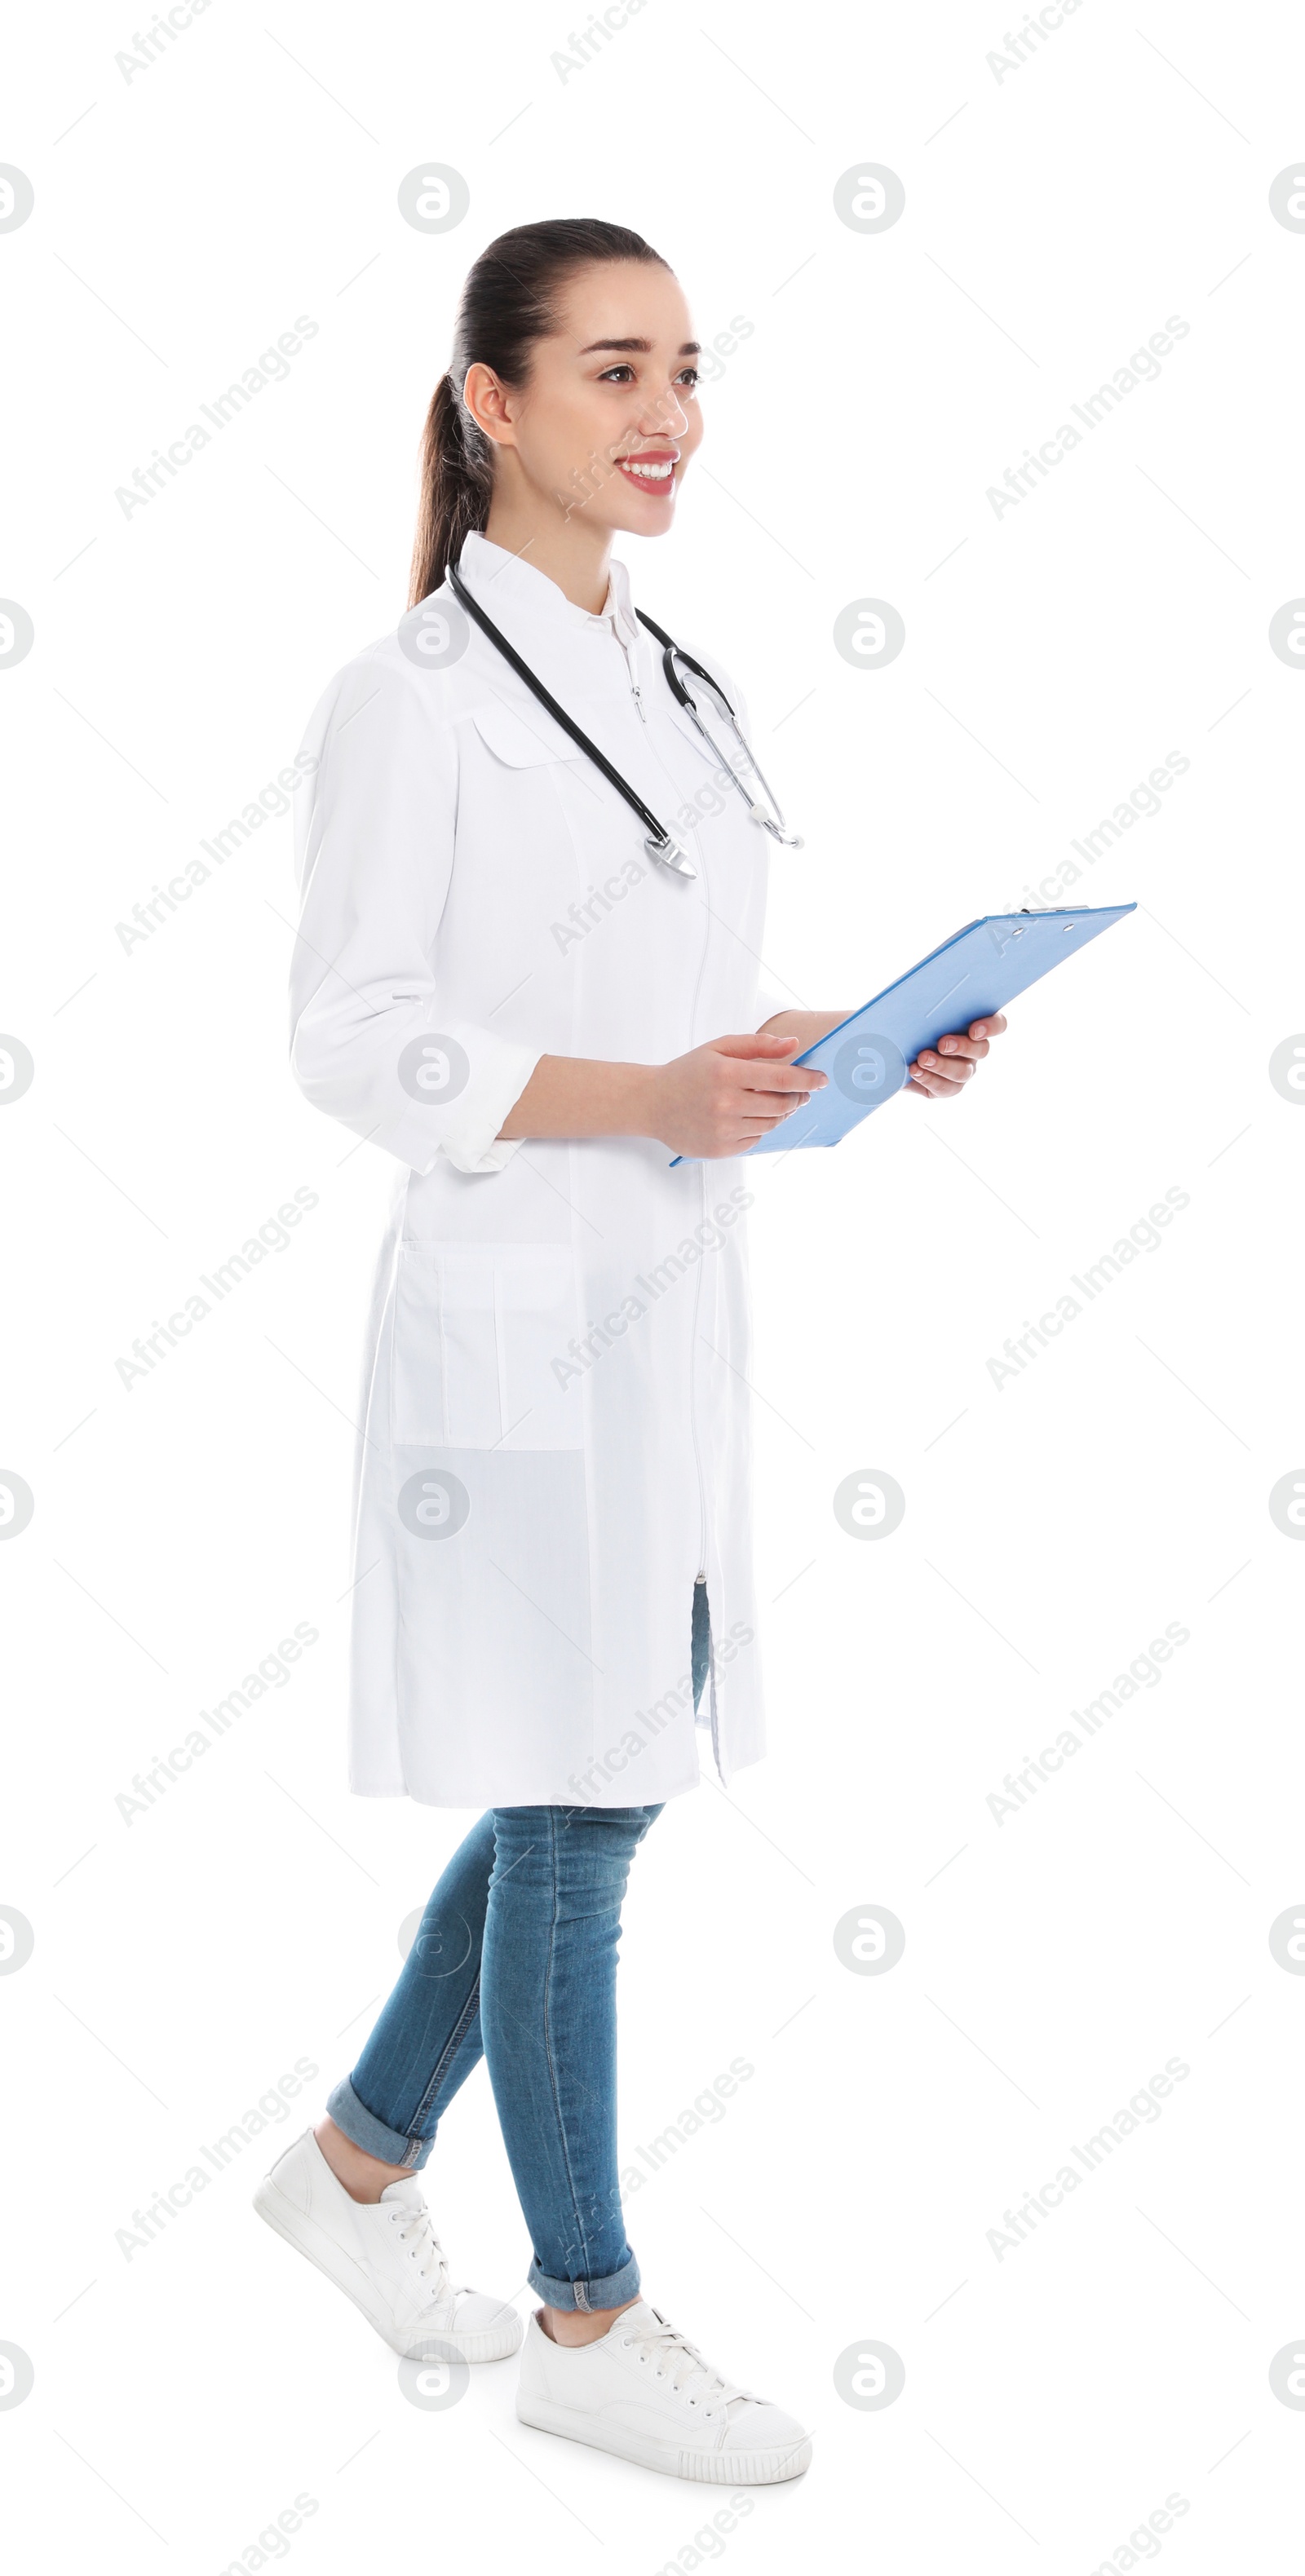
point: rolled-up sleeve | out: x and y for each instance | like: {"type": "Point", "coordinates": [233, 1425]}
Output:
{"type": "Point", "coordinates": [371, 1041]}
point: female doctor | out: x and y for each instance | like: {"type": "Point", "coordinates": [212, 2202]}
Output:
{"type": "Point", "coordinates": [534, 892]}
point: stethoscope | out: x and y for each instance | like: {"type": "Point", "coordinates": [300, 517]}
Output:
{"type": "Point", "coordinates": [659, 843]}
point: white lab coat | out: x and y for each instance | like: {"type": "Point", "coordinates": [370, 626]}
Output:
{"type": "Point", "coordinates": [554, 1438]}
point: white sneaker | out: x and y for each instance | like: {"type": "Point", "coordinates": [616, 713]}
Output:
{"type": "Point", "coordinates": [386, 2257]}
{"type": "Point", "coordinates": [645, 2391]}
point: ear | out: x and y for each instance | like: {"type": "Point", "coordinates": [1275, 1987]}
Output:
{"type": "Point", "coordinates": [487, 401]}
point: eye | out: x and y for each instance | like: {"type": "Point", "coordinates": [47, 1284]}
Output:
{"type": "Point", "coordinates": [689, 376]}
{"type": "Point", "coordinates": [622, 373]}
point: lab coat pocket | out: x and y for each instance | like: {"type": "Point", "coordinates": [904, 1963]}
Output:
{"type": "Point", "coordinates": [523, 738]}
{"type": "Point", "coordinates": [481, 1347]}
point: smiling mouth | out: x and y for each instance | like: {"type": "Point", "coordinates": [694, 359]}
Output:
{"type": "Point", "coordinates": [651, 473]}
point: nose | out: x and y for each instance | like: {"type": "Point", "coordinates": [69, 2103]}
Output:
{"type": "Point", "coordinates": [669, 417]}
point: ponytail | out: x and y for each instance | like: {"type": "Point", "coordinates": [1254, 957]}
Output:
{"type": "Point", "coordinates": [509, 302]}
{"type": "Point", "coordinates": [457, 478]}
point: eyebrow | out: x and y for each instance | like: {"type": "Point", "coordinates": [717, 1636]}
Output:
{"type": "Point", "coordinates": [642, 348]}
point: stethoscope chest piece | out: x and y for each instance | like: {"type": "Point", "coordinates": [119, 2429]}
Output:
{"type": "Point", "coordinates": [670, 855]}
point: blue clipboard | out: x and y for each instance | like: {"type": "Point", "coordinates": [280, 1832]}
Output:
{"type": "Point", "coordinates": [975, 972]}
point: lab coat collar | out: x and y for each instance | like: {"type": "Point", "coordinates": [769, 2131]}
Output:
{"type": "Point", "coordinates": [500, 579]}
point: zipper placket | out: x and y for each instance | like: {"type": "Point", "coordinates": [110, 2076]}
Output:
{"type": "Point", "coordinates": [702, 1488]}
{"type": "Point", "coordinates": [701, 1577]}
{"type": "Point", "coordinates": [635, 690]}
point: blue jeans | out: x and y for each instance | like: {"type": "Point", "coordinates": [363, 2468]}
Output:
{"type": "Point", "coordinates": [515, 1961]}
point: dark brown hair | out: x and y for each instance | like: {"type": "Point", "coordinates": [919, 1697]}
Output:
{"type": "Point", "coordinates": [508, 303]}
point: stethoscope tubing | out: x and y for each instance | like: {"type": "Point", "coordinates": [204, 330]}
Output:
{"type": "Point", "coordinates": [559, 714]}
{"type": "Point", "coordinates": [659, 842]}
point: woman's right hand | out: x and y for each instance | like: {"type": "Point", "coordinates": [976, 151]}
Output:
{"type": "Point", "coordinates": [721, 1097]}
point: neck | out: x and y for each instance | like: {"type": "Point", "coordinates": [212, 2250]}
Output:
{"type": "Point", "coordinates": [570, 550]}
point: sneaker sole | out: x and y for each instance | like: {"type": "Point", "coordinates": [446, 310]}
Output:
{"type": "Point", "coordinates": [707, 2468]}
{"type": "Point", "coordinates": [490, 2343]}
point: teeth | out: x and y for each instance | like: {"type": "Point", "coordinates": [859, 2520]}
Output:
{"type": "Point", "coordinates": [648, 473]}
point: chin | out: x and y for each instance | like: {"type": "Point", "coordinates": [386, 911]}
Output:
{"type": "Point", "coordinates": [653, 520]}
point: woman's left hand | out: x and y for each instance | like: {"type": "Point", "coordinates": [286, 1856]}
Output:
{"type": "Point", "coordinates": [941, 1072]}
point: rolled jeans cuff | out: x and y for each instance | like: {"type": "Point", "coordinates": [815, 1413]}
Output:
{"type": "Point", "coordinates": [371, 2134]}
{"type": "Point", "coordinates": [611, 2292]}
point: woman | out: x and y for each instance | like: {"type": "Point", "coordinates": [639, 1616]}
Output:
{"type": "Point", "coordinates": [527, 968]}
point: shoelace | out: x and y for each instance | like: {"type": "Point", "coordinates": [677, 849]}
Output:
{"type": "Point", "coordinates": [418, 2232]}
{"type": "Point", "coordinates": [681, 2362]}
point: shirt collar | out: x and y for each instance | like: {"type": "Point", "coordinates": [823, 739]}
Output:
{"type": "Point", "coordinates": [495, 575]}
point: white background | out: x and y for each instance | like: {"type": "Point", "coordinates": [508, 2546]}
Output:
{"type": "Point", "coordinates": [1055, 1960]}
